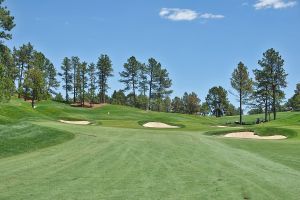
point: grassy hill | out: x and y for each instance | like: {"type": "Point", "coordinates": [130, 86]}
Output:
{"type": "Point", "coordinates": [117, 158]}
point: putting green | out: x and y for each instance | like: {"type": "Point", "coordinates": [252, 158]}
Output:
{"type": "Point", "coordinates": [127, 161]}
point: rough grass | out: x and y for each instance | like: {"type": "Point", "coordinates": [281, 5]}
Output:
{"type": "Point", "coordinates": [116, 158]}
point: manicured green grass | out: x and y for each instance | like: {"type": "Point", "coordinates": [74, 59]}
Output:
{"type": "Point", "coordinates": [117, 158]}
{"type": "Point", "coordinates": [24, 137]}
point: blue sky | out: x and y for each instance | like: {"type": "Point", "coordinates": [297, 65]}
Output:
{"type": "Point", "coordinates": [199, 42]}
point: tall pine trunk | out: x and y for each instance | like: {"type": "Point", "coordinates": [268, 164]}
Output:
{"type": "Point", "coordinates": [74, 85]}
{"type": "Point", "coordinates": [83, 92]}
{"type": "Point", "coordinates": [150, 89]}
{"type": "Point", "coordinates": [20, 80]}
{"type": "Point", "coordinates": [274, 103]}
{"type": "Point", "coordinates": [266, 109]}
{"type": "Point", "coordinates": [240, 106]}
{"type": "Point", "coordinates": [32, 100]}
{"type": "Point", "coordinates": [133, 87]}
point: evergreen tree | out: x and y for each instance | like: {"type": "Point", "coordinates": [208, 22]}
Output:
{"type": "Point", "coordinates": [84, 81]}
{"type": "Point", "coordinates": [177, 105]}
{"type": "Point", "coordinates": [166, 104]}
{"type": "Point", "coordinates": [34, 81]}
{"type": "Point", "coordinates": [143, 80]}
{"type": "Point", "coordinates": [231, 110]}
{"type": "Point", "coordinates": [272, 65]}
{"type": "Point", "coordinates": [7, 74]}
{"type": "Point", "coordinates": [261, 94]}
{"type": "Point", "coordinates": [130, 76]}
{"type": "Point", "coordinates": [294, 102]}
{"type": "Point", "coordinates": [51, 80]}
{"type": "Point", "coordinates": [23, 58]}
{"type": "Point", "coordinates": [152, 69]}
{"type": "Point", "coordinates": [75, 63]}
{"type": "Point", "coordinates": [105, 71]}
{"type": "Point", "coordinates": [162, 90]}
{"type": "Point", "coordinates": [217, 100]}
{"type": "Point", "coordinates": [191, 103]}
{"type": "Point", "coordinates": [66, 77]}
{"type": "Point", "coordinates": [58, 98]}
{"type": "Point", "coordinates": [6, 23]}
{"type": "Point", "coordinates": [241, 82]}
{"type": "Point", "coordinates": [92, 83]}
{"type": "Point", "coordinates": [142, 101]}
{"type": "Point", "coordinates": [297, 91]}
{"type": "Point", "coordinates": [7, 67]}
{"type": "Point", "coordinates": [118, 97]}
{"type": "Point", "coordinates": [204, 109]}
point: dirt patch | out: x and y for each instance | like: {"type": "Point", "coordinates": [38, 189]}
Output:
{"type": "Point", "coordinates": [75, 122]}
{"type": "Point", "coordinates": [88, 105]}
{"type": "Point", "coordinates": [251, 135]}
{"type": "Point", "coordinates": [158, 125]}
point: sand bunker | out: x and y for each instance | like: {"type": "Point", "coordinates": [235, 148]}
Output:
{"type": "Point", "coordinates": [158, 125]}
{"type": "Point", "coordinates": [251, 135]}
{"type": "Point", "coordinates": [75, 122]}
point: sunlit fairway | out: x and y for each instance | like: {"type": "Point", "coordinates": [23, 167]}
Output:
{"type": "Point", "coordinates": [115, 157]}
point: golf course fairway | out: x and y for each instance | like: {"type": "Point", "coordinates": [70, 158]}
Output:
{"type": "Point", "coordinates": [115, 157]}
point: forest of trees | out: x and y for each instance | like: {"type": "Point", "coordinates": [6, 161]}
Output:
{"type": "Point", "coordinates": [27, 73]}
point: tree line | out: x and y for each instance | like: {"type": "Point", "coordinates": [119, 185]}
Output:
{"type": "Point", "coordinates": [32, 76]}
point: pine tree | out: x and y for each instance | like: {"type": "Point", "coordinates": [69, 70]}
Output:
{"type": "Point", "coordinates": [92, 83]}
{"type": "Point", "coordinates": [162, 89]}
{"type": "Point", "coordinates": [84, 81]}
{"type": "Point", "coordinates": [75, 63]}
{"type": "Point", "coordinates": [22, 58]}
{"type": "Point", "coordinates": [118, 97]}
{"type": "Point", "coordinates": [130, 76]}
{"type": "Point", "coordinates": [272, 65]}
{"type": "Point", "coordinates": [270, 80]}
{"type": "Point", "coordinates": [152, 69]}
{"type": "Point", "coordinates": [241, 82]}
{"type": "Point", "coordinates": [143, 80]}
{"type": "Point", "coordinates": [294, 102]}
{"type": "Point", "coordinates": [167, 107]}
{"type": "Point", "coordinates": [217, 100]}
{"type": "Point", "coordinates": [6, 23]}
{"type": "Point", "coordinates": [34, 81]}
{"type": "Point", "coordinates": [50, 79]}
{"type": "Point", "coordinates": [191, 103]}
{"type": "Point", "coordinates": [261, 94]}
{"type": "Point", "coordinates": [297, 91]}
{"type": "Point", "coordinates": [66, 77]}
{"type": "Point", "coordinates": [204, 109]}
{"type": "Point", "coordinates": [8, 73]}
{"type": "Point", "coordinates": [104, 67]}
{"type": "Point", "coordinates": [177, 105]}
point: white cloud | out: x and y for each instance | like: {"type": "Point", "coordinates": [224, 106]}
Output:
{"type": "Point", "coordinates": [211, 16]}
{"type": "Point", "coordinates": [275, 4]}
{"type": "Point", "coordinates": [177, 14]}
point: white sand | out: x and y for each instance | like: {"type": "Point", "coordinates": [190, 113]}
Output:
{"type": "Point", "coordinates": [226, 126]}
{"type": "Point", "coordinates": [251, 135]}
{"type": "Point", "coordinates": [75, 122]}
{"type": "Point", "coordinates": [158, 125]}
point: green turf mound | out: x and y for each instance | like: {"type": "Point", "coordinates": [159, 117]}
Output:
{"type": "Point", "coordinates": [21, 138]}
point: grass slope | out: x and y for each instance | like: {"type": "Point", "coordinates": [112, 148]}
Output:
{"type": "Point", "coordinates": [116, 158]}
